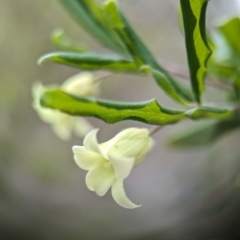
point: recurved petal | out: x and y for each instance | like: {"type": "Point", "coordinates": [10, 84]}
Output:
{"type": "Point", "coordinates": [100, 179]}
{"type": "Point", "coordinates": [62, 130]}
{"type": "Point", "coordinates": [84, 159]}
{"type": "Point", "coordinates": [122, 166]}
{"type": "Point", "coordinates": [120, 197]}
{"type": "Point", "coordinates": [37, 90]}
{"type": "Point", "coordinates": [82, 127]}
{"type": "Point", "coordinates": [90, 142]}
{"type": "Point", "coordinates": [63, 125]}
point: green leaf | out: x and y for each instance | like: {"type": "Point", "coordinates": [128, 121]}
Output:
{"type": "Point", "coordinates": [205, 133]}
{"type": "Point", "coordinates": [59, 39]}
{"type": "Point", "coordinates": [128, 36]}
{"type": "Point", "coordinates": [109, 111]}
{"type": "Point", "coordinates": [224, 71]}
{"type": "Point", "coordinates": [221, 49]}
{"type": "Point", "coordinates": [89, 15]}
{"type": "Point", "coordinates": [90, 61]}
{"type": "Point", "coordinates": [236, 84]}
{"type": "Point", "coordinates": [198, 50]}
{"type": "Point", "coordinates": [226, 58]}
{"type": "Point", "coordinates": [168, 86]}
{"type": "Point", "coordinates": [141, 54]}
{"type": "Point", "coordinates": [231, 32]}
{"type": "Point", "coordinates": [232, 97]}
{"type": "Point", "coordinates": [209, 112]}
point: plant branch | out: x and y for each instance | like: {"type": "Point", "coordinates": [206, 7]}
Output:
{"type": "Point", "coordinates": [181, 71]}
{"type": "Point", "coordinates": [103, 76]}
{"type": "Point", "coordinates": [155, 130]}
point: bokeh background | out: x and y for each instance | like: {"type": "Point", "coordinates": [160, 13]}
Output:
{"type": "Point", "coordinates": [185, 194]}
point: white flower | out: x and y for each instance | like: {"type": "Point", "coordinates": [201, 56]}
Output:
{"type": "Point", "coordinates": [109, 163]}
{"type": "Point", "coordinates": [63, 125]}
{"type": "Point", "coordinates": [83, 84]}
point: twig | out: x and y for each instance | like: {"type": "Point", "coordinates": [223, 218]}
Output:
{"type": "Point", "coordinates": [155, 130]}
{"type": "Point", "coordinates": [181, 71]}
{"type": "Point", "coordinates": [103, 77]}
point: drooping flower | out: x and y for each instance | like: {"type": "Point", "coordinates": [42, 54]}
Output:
{"type": "Point", "coordinates": [63, 125]}
{"type": "Point", "coordinates": [109, 163]}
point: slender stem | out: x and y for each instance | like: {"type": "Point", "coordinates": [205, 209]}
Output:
{"type": "Point", "coordinates": [155, 130]}
{"type": "Point", "coordinates": [215, 83]}
{"type": "Point", "coordinates": [179, 70]}
{"type": "Point", "coordinates": [103, 77]}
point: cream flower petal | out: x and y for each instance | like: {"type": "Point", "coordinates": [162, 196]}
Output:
{"type": "Point", "coordinates": [82, 84]}
{"type": "Point", "coordinates": [123, 134]}
{"type": "Point", "coordinates": [90, 142]}
{"type": "Point", "coordinates": [63, 125]}
{"type": "Point", "coordinates": [122, 166]}
{"type": "Point", "coordinates": [82, 127]}
{"type": "Point", "coordinates": [120, 197]}
{"type": "Point", "coordinates": [61, 131]}
{"type": "Point", "coordinates": [47, 115]}
{"type": "Point", "coordinates": [85, 159]}
{"type": "Point", "coordinates": [144, 152]}
{"type": "Point", "coordinates": [100, 178]}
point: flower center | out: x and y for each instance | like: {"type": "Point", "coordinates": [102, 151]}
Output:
{"type": "Point", "coordinates": [107, 165]}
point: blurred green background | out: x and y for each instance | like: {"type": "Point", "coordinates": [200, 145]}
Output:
{"type": "Point", "coordinates": [185, 194]}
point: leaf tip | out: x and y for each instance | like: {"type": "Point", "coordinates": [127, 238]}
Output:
{"type": "Point", "coordinates": [145, 69]}
{"type": "Point", "coordinates": [57, 33]}
{"type": "Point", "coordinates": [43, 59]}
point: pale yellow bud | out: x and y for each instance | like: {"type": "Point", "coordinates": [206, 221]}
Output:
{"type": "Point", "coordinates": [63, 125]}
{"type": "Point", "coordinates": [131, 143]}
{"type": "Point", "coordinates": [82, 84]}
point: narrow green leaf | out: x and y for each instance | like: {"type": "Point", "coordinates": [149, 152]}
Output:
{"type": "Point", "coordinates": [132, 42]}
{"type": "Point", "coordinates": [195, 136]}
{"type": "Point", "coordinates": [141, 54]}
{"type": "Point", "coordinates": [209, 112]}
{"type": "Point", "coordinates": [198, 50]}
{"type": "Point", "coordinates": [205, 133]}
{"type": "Point", "coordinates": [224, 71]}
{"type": "Point", "coordinates": [231, 32]}
{"type": "Point", "coordinates": [221, 50]}
{"type": "Point", "coordinates": [111, 112]}
{"type": "Point", "coordinates": [236, 84]}
{"type": "Point", "coordinates": [167, 86]}
{"type": "Point", "coordinates": [226, 58]}
{"type": "Point", "coordinates": [89, 15]}
{"type": "Point", "coordinates": [60, 40]}
{"type": "Point", "coordinates": [90, 61]}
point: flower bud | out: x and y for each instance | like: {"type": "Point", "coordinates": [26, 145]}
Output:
{"type": "Point", "coordinates": [82, 84]}
{"type": "Point", "coordinates": [64, 125]}
{"type": "Point", "coordinates": [131, 143]}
